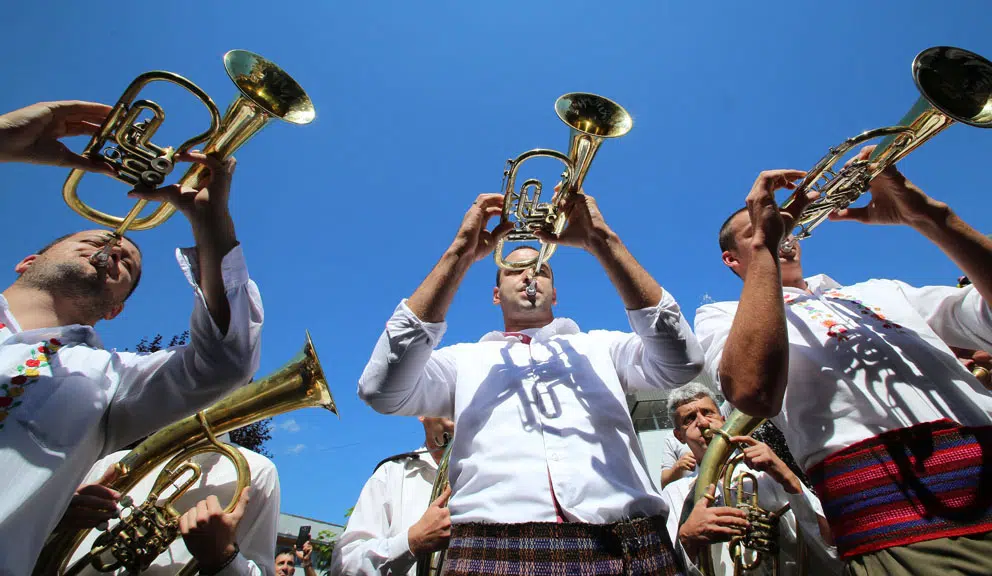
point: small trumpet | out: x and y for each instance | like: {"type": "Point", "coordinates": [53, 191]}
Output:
{"type": "Point", "coordinates": [267, 92]}
{"type": "Point", "coordinates": [955, 86]}
{"type": "Point", "coordinates": [591, 119]}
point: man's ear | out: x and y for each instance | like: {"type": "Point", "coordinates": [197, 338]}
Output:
{"type": "Point", "coordinates": [730, 260]}
{"type": "Point", "coordinates": [679, 435]}
{"type": "Point", "coordinates": [22, 266]}
{"type": "Point", "coordinates": [496, 295]}
{"type": "Point", "coordinates": [554, 296]}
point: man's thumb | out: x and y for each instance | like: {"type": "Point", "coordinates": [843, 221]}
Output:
{"type": "Point", "coordinates": [708, 497]}
{"type": "Point", "coordinates": [442, 500]}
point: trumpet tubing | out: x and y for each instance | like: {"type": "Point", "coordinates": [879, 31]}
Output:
{"type": "Point", "coordinates": [266, 93]}
{"type": "Point", "coordinates": [431, 564]}
{"type": "Point", "coordinates": [591, 119]}
{"type": "Point", "coordinates": [955, 86]}
{"type": "Point", "coordinates": [298, 384]}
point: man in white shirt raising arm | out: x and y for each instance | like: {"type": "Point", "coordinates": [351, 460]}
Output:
{"type": "Point", "coordinates": [889, 426]}
{"type": "Point", "coordinates": [545, 460]}
{"type": "Point", "coordinates": [64, 399]}
{"type": "Point", "coordinates": [394, 519]}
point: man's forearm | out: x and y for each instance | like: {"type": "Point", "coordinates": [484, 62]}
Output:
{"type": "Point", "coordinates": [635, 285]}
{"type": "Point", "coordinates": [755, 364]}
{"type": "Point", "coordinates": [214, 238]}
{"type": "Point", "coordinates": [669, 475]}
{"type": "Point", "coordinates": [430, 301]}
{"type": "Point", "coordinates": [967, 247]}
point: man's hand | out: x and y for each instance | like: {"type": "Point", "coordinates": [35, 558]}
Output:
{"type": "Point", "coordinates": [686, 463]}
{"type": "Point", "coordinates": [204, 204]}
{"type": "Point", "coordinates": [32, 134]}
{"type": "Point", "coordinates": [209, 532]}
{"type": "Point", "coordinates": [586, 228]}
{"type": "Point", "coordinates": [92, 504]}
{"type": "Point", "coordinates": [472, 239]}
{"type": "Point", "coordinates": [760, 456]}
{"type": "Point", "coordinates": [433, 530]}
{"type": "Point", "coordinates": [304, 555]}
{"type": "Point", "coordinates": [707, 525]}
{"type": "Point", "coordinates": [894, 199]}
{"type": "Point", "coordinates": [769, 223]}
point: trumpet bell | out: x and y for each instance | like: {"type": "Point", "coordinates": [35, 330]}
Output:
{"type": "Point", "coordinates": [594, 115]}
{"type": "Point", "coordinates": [269, 87]}
{"type": "Point", "coordinates": [266, 92]}
{"type": "Point", "coordinates": [956, 82]}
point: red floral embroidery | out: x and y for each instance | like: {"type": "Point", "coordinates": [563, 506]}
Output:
{"type": "Point", "coordinates": [27, 374]}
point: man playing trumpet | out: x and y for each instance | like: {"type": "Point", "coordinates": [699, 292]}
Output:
{"type": "Point", "coordinates": [892, 430]}
{"type": "Point", "coordinates": [545, 461]}
{"type": "Point", "coordinates": [694, 526]}
{"type": "Point", "coordinates": [64, 399]}
{"type": "Point", "coordinates": [394, 520]}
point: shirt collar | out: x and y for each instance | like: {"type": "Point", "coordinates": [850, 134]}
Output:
{"type": "Point", "coordinates": [75, 333]}
{"type": "Point", "coordinates": [814, 284]}
{"type": "Point", "coordinates": [557, 327]}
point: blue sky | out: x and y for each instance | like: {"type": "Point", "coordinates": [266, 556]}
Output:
{"type": "Point", "coordinates": [418, 107]}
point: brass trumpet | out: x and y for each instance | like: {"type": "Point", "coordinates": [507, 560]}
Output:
{"type": "Point", "coordinates": [148, 529]}
{"type": "Point", "coordinates": [591, 119]}
{"type": "Point", "coordinates": [759, 544]}
{"type": "Point", "coordinates": [955, 86]}
{"type": "Point", "coordinates": [266, 92]}
{"type": "Point", "coordinates": [431, 564]}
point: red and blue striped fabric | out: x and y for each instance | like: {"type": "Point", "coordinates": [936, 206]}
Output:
{"type": "Point", "coordinates": [929, 481]}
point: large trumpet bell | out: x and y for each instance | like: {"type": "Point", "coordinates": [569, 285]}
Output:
{"type": "Point", "coordinates": [269, 87]}
{"type": "Point", "coordinates": [956, 82]}
{"type": "Point", "coordinates": [266, 92]}
{"type": "Point", "coordinates": [594, 115]}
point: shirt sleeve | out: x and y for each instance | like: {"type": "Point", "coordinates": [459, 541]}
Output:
{"type": "Point", "coordinates": [160, 387]}
{"type": "Point", "coordinates": [674, 498]}
{"type": "Point", "coordinates": [365, 547]}
{"type": "Point", "coordinates": [670, 452]}
{"type": "Point", "coordinates": [958, 315]}
{"type": "Point", "coordinates": [405, 374]}
{"type": "Point", "coordinates": [258, 530]}
{"type": "Point", "coordinates": [661, 353]}
{"type": "Point", "coordinates": [713, 323]}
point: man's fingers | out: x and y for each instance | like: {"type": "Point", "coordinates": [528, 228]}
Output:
{"type": "Point", "coordinates": [97, 499]}
{"type": "Point", "coordinates": [708, 497]}
{"type": "Point", "coordinates": [170, 193]}
{"type": "Point", "coordinates": [489, 199]}
{"type": "Point", "coordinates": [242, 505]}
{"type": "Point", "coordinates": [79, 111]}
{"type": "Point", "coordinates": [197, 157]}
{"type": "Point", "coordinates": [857, 214]}
{"type": "Point", "coordinates": [744, 440]}
{"type": "Point", "coordinates": [442, 500]}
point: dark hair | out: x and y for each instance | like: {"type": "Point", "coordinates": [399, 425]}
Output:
{"type": "Point", "coordinates": [727, 239]}
{"type": "Point", "coordinates": [284, 550]}
{"type": "Point", "coordinates": [137, 277]}
{"type": "Point", "coordinates": [499, 270]}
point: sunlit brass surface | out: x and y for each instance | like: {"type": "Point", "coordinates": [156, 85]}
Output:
{"type": "Point", "coordinates": [298, 384]}
{"type": "Point", "coordinates": [760, 543]}
{"type": "Point", "coordinates": [591, 119]}
{"type": "Point", "coordinates": [955, 86]}
{"type": "Point", "coordinates": [430, 564]}
{"type": "Point", "coordinates": [266, 93]}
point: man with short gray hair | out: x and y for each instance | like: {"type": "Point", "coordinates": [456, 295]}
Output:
{"type": "Point", "coordinates": [693, 526]}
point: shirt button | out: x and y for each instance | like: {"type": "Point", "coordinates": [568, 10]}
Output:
{"type": "Point", "coordinates": [554, 456]}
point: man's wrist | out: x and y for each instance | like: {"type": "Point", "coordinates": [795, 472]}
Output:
{"type": "Point", "coordinates": [214, 565]}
